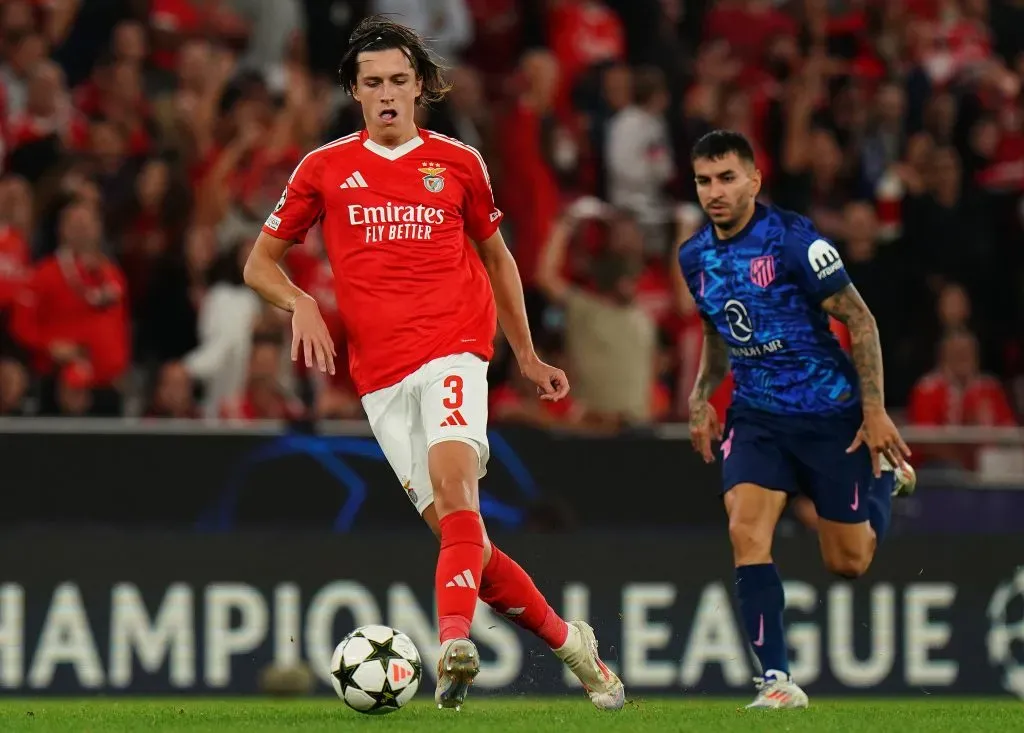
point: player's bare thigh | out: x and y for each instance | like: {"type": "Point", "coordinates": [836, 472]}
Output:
{"type": "Point", "coordinates": [846, 549]}
{"type": "Point", "coordinates": [753, 513]}
{"type": "Point", "coordinates": [453, 404]}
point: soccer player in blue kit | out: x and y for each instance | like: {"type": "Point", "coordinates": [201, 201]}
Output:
{"type": "Point", "coordinates": [804, 416]}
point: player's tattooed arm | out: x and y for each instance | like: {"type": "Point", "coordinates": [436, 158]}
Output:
{"type": "Point", "coordinates": [866, 348]}
{"type": "Point", "coordinates": [714, 365]}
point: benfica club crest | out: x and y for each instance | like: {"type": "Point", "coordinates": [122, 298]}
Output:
{"type": "Point", "coordinates": [432, 180]}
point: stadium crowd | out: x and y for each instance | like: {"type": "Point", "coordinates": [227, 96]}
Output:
{"type": "Point", "coordinates": [143, 142]}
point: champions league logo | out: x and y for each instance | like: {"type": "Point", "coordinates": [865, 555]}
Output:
{"type": "Point", "coordinates": [1006, 632]}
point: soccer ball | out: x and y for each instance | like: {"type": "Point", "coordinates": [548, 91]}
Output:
{"type": "Point", "coordinates": [376, 669]}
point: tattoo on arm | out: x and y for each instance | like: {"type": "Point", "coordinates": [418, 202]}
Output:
{"type": "Point", "coordinates": [714, 364]}
{"type": "Point", "coordinates": [847, 306]}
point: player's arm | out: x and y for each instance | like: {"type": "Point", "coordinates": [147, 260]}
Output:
{"type": "Point", "coordinates": [264, 274]}
{"type": "Point", "coordinates": [508, 297]}
{"type": "Point", "coordinates": [298, 209]}
{"type": "Point", "coordinates": [877, 431]}
{"type": "Point", "coordinates": [483, 219]}
{"type": "Point", "coordinates": [849, 308]}
{"type": "Point", "coordinates": [714, 365]}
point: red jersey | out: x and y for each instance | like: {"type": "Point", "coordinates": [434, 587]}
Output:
{"type": "Point", "coordinates": [397, 225]}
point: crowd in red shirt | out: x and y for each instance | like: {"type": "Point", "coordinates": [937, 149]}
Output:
{"type": "Point", "coordinates": [136, 159]}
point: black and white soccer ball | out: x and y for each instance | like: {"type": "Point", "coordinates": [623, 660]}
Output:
{"type": "Point", "coordinates": [376, 669]}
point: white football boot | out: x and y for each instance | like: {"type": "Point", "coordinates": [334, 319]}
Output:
{"type": "Point", "coordinates": [458, 667]}
{"type": "Point", "coordinates": [579, 653]}
{"type": "Point", "coordinates": [776, 691]}
{"type": "Point", "coordinates": [906, 478]}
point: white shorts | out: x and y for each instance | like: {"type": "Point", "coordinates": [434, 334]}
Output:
{"type": "Point", "coordinates": [445, 399]}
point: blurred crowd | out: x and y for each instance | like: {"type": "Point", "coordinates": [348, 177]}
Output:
{"type": "Point", "coordinates": [143, 142]}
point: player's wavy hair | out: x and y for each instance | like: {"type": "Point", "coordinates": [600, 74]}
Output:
{"type": "Point", "coordinates": [380, 33]}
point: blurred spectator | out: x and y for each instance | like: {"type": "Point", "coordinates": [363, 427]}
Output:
{"type": "Point", "coordinates": [955, 394]}
{"type": "Point", "coordinates": [611, 343]}
{"type": "Point", "coordinates": [262, 396]}
{"type": "Point", "coordinates": [938, 223]}
{"type": "Point", "coordinates": [169, 313]}
{"type": "Point", "coordinates": [639, 155]}
{"type": "Point", "coordinates": [14, 386]}
{"type": "Point", "coordinates": [528, 190]}
{"type": "Point", "coordinates": [898, 127]}
{"type": "Point", "coordinates": [173, 395]}
{"type": "Point", "coordinates": [73, 318]}
{"type": "Point", "coordinates": [886, 286]}
{"type": "Point", "coordinates": [445, 23]}
{"type": "Point", "coordinates": [15, 223]}
{"type": "Point", "coordinates": [227, 320]}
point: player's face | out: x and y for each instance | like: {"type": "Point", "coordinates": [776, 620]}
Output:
{"type": "Point", "coordinates": [387, 88]}
{"type": "Point", "coordinates": [727, 188]}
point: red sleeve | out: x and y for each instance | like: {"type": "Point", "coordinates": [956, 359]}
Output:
{"type": "Point", "coordinates": [925, 408]}
{"type": "Point", "coordinates": [300, 205]}
{"type": "Point", "coordinates": [1004, 416]}
{"type": "Point", "coordinates": [481, 215]}
{"type": "Point", "coordinates": [27, 322]}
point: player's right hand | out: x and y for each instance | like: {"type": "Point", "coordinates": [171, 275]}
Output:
{"type": "Point", "coordinates": [310, 335]}
{"type": "Point", "coordinates": [704, 427]}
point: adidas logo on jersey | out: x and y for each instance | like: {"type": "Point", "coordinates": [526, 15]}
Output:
{"type": "Point", "coordinates": [356, 180]}
{"type": "Point", "coordinates": [454, 419]}
{"type": "Point", "coordinates": [462, 580]}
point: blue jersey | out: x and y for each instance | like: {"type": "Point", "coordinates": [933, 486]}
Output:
{"type": "Point", "coordinates": [762, 289]}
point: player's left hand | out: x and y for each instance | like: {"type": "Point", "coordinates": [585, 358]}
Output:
{"type": "Point", "coordinates": [552, 384]}
{"type": "Point", "coordinates": [882, 438]}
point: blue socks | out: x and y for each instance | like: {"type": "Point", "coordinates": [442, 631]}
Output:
{"type": "Point", "coordinates": [761, 601]}
{"type": "Point", "coordinates": [879, 500]}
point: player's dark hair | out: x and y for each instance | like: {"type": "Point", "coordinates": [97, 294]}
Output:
{"type": "Point", "coordinates": [719, 143]}
{"type": "Point", "coordinates": [379, 33]}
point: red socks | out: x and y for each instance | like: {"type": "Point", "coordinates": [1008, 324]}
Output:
{"type": "Point", "coordinates": [458, 575]}
{"type": "Point", "coordinates": [507, 589]}
{"type": "Point", "coordinates": [503, 585]}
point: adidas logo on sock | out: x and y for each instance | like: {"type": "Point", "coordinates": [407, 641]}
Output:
{"type": "Point", "coordinates": [462, 580]}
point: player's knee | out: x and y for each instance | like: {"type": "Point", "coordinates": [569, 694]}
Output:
{"type": "Point", "coordinates": [751, 543]}
{"type": "Point", "coordinates": [848, 565]}
{"type": "Point", "coordinates": [454, 493]}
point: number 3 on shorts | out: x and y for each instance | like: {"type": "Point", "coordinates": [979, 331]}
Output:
{"type": "Point", "coordinates": [454, 401]}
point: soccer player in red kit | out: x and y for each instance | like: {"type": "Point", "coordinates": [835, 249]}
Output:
{"type": "Point", "coordinates": [401, 209]}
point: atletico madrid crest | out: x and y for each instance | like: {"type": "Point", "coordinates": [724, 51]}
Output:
{"type": "Point", "coordinates": [432, 180]}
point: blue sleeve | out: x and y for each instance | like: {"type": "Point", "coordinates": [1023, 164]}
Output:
{"type": "Point", "coordinates": [814, 262]}
{"type": "Point", "coordinates": [689, 266]}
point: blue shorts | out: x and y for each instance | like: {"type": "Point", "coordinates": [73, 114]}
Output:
{"type": "Point", "coordinates": [801, 453]}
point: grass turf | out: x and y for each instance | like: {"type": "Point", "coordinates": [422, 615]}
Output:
{"type": "Point", "coordinates": [558, 715]}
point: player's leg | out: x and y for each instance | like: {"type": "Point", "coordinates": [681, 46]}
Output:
{"type": "Point", "coordinates": [853, 506]}
{"type": "Point", "coordinates": [752, 461]}
{"type": "Point", "coordinates": [507, 588]}
{"type": "Point", "coordinates": [453, 413]}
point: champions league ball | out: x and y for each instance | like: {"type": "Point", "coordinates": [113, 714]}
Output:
{"type": "Point", "coordinates": [376, 670]}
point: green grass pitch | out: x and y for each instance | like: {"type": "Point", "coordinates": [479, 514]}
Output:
{"type": "Point", "coordinates": [507, 715]}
